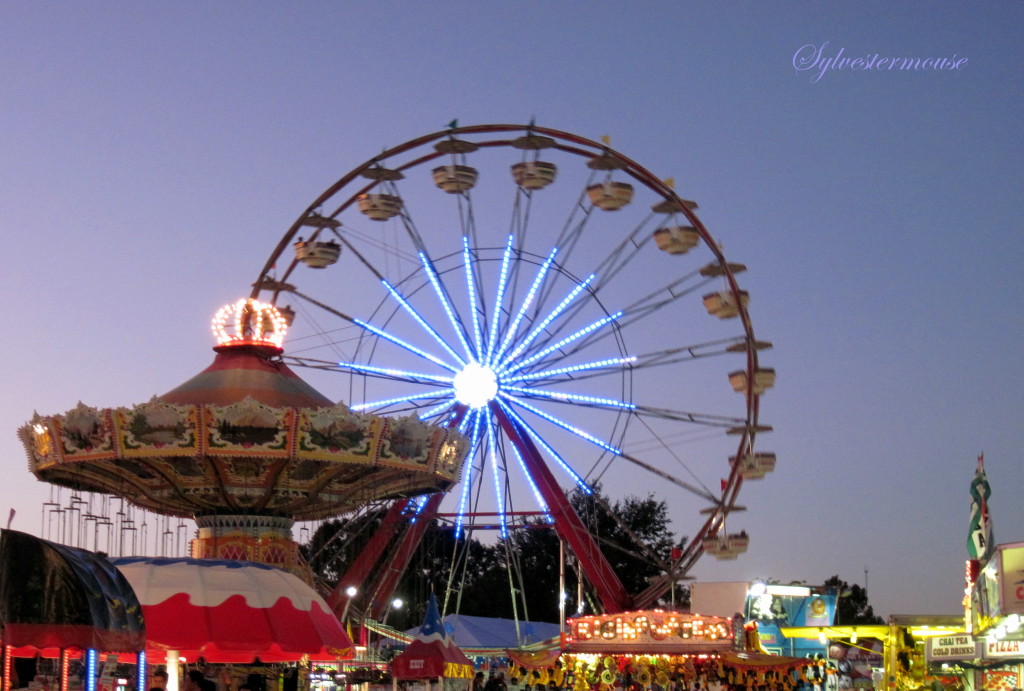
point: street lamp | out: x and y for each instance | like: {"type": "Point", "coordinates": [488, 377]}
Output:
{"type": "Point", "coordinates": [351, 592]}
{"type": "Point", "coordinates": [397, 603]}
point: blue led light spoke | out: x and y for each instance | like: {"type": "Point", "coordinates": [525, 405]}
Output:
{"type": "Point", "coordinates": [565, 341]}
{"type": "Point", "coordinates": [499, 300]}
{"type": "Point", "coordinates": [496, 473]}
{"type": "Point", "coordinates": [419, 502]}
{"type": "Point", "coordinates": [544, 374]}
{"type": "Point", "coordinates": [540, 440]}
{"type": "Point", "coordinates": [471, 290]}
{"type": "Point", "coordinates": [466, 421]}
{"type": "Point", "coordinates": [537, 330]}
{"type": "Point", "coordinates": [435, 282]}
{"type": "Point", "coordinates": [422, 322]}
{"type": "Point", "coordinates": [565, 425]}
{"type": "Point", "coordinates": [398, 373]}
{"type": "Point", "coordinates": [399, 342]}
{"type": "Point", "coordinates": [399, 399]}
{"type": "Point", "coordinates": [436, 410]}
{"type": "Point", "coordinates": [513, 345]}
{"type": "Point", "coordinates": [533, 485]}
{"type": "Point", "coordinates": [468, 465]}
{"type": "Point", "coordinates": [514, 326]}
{"type": "Point", "coordinates": [570, 397]}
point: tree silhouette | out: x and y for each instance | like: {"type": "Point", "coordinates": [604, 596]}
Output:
{"type": "Point", "coordinates": [852, 604]}
{"type": "Point", "coordinates": [517, 577]}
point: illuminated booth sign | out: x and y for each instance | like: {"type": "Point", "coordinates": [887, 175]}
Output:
{"type": "Point", "coordinates": [961, 646]}
{"type": "Point", "coordinates": [649, 632]}
{"type": "Point", "coordinates": [1011, 569]}
{"type": "Point", "coordinates": [998, 591]}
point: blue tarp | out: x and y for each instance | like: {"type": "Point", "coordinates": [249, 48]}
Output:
{"type": "Point", "coordinates": [485, 632]}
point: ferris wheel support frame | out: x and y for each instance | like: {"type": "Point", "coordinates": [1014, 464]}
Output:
{"type": "Point", "coordinates": [610, 591]}
{"type": "Point", "coordinates": [376, 589]}
{"type": "Point", "coordinates": [387, 578]}
{"type": "Point", "coordinates": [359, 572]}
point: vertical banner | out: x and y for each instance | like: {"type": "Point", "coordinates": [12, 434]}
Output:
{"type": "Point", "coordinates": [979, 537]}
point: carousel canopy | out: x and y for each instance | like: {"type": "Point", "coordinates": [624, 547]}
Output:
{"type": "Point", "coordinates": [53, 596]}
{"type": "Point", "coordinates": [433, 653]}
{"type": "Point", "coordinates": [232, 611]}
{"type": "Point", "coordinates": [240, 371]}
{"type": "Point", "coordinates": [246, 437]}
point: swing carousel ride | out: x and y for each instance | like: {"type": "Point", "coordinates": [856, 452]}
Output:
{"type": "Point", "coordinates": [509, 312]}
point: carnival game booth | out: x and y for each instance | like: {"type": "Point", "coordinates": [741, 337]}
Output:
{"type": "Point", "coordinates": [990, 649]}
{"type": "Point", "coordinates": [230, 612]}
{"type": "Point", "coordinates": [63, 603]}
{"type": "Point", "coordinates": [433, 657]}
{"type": "Point", "coordinates": [654, 649]}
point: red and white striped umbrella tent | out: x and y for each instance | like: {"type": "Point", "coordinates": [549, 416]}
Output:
{"type": "Point", "coordinates": [231, 611]}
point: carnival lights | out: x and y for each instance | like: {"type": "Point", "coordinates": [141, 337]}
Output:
{"type": "Point", "coordinates": [65, 669]}
{"type": "Point", "coordinates": [140, 672]}
{"type": "Point", "coordinates": [90, 669]}
{"type": "Point", "coordinates": [8, 650]}
{"type": "Point", "coordinates": [254, 322]}
{"type": "Point", "coordinates": [630, 626]}
{"type": "Point", "coordinates": [493, 374]}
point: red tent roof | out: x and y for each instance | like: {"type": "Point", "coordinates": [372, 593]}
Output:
{"type": "Point", "coordinates": [231, 611]}
{"type": "Point", "coordinates": [433, 653]}
{"type": "Point", "coordinates": [431, 660]}
{"type": "Point", "coordinates": [247, 370]}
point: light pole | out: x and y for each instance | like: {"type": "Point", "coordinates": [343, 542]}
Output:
{"type": "Point", "coordinates": [397, 603]}
{"type": "Point", "coordinates": [351, 592]}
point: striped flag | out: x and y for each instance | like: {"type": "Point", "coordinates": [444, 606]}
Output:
{"type": "Point", "coordinates": [979, 539]}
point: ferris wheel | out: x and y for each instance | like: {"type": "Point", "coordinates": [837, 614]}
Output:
{"type": "Point", "coordinates": [559, 305]}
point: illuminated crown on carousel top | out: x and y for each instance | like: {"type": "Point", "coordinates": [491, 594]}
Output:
{"type": "Point", "coordinates": [255, 323]}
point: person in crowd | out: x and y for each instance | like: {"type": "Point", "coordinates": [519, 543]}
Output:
{"type": "Point", "coordinates": [159, 680]}
{"type": "Point", "coordinates": [197, 681]}
{"type": "Point", "coordinates": [256, 682]}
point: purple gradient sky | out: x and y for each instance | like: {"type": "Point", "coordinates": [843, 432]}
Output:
{"type": "Point", "coordinates": [152, 154]}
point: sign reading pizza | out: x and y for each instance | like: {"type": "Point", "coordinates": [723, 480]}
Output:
{"type": "Point", "coordinates": [1004, 649]}
{"type": "Point", "coordinates": [649, 631]}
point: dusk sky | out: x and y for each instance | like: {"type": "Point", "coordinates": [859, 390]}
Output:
{"type": "Point", "coordinates": [152, 155]}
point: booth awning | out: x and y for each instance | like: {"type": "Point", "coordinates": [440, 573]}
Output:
{"type": "Point", "coordinates": [878, 631]}
{"type": "Point", "coordinates": [53, 596]}
{"type": "Point", "coordinates": [755, 660]}
{"type": "Point", "coordinates": [232, 611]}
{"type": "Point", "coordinates": [534, 659]}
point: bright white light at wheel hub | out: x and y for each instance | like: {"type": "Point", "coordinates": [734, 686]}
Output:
{"type": "Point", "coordinates": [475, 385]}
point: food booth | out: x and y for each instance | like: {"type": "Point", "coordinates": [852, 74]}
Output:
{"type": "Point", "coordinates": [666, 650]}
{"type": "Point", "coordinates": [65, 604]}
